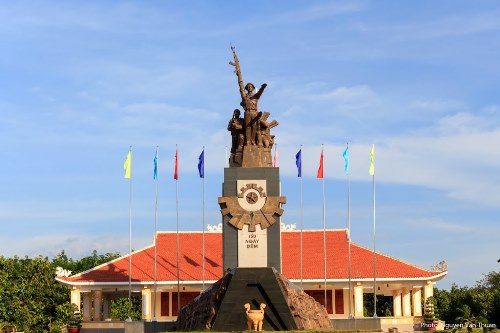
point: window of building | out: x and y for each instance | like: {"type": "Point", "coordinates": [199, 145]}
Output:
{"type": "Point", "coordinates": [319, 296]}
{"type": "Point", "coordinates": [186, 297]}
{"type": "Point", "coordinates": [339, 301]}
{"type": "Point", "coordinates": [165, 304]}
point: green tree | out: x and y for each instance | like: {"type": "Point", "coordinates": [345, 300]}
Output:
{"type": "Point", "coordinates": [481, 302]}
{"type": "Point", "coordinates": [85, 263]}
{"type": "Point", "coordinates": [488, 297]}
{"type": "Point", "coordinates": [121, 306]}
{"type": "Point", "coordinates": [467, 318]}
{"type": "Point", "coordinates": [29, 293]}
{"type": "Point", "coordinates": [384, 304]}
{"type": "Point", "coordinates": [444, 305]}
{"type": "Point", "coordinates": [429, 313]}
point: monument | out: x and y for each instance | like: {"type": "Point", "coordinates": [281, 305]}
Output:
{"type": "Point", "coordinates": [251, 207]}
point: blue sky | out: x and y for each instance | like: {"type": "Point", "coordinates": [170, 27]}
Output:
{"type": "Point", "coordinates": [83, 80]}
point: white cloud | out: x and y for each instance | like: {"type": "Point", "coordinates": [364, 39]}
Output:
{"type": "Point", "coordinates": [458, 155]}
{"type": "Point", "coordinates": [346, 98]}
{"type": "Point", "coordinates": [438, 224]}
{"type": "Point", "coordinates": [492, 109]}
{"type": "Point", "coordinates": [452, 25]}
{"type": "Point", "coordinates": [437, 105]}
{"type": "Point", "coordinates": [318, 12]}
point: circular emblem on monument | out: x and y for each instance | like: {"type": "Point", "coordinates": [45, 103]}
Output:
{"type": "Point", "coordinates": [251, 206]}
{"type": "Point", "coordinates": [252, 198]}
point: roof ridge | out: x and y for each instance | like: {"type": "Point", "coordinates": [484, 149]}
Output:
{"type": "Point", "coordinates": [315, 230]}
{"type": "Point", "coordinates": [112, 261]}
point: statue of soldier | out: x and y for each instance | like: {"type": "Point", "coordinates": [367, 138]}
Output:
{"type": "Point", "coordinates": [249, 101]}
{"type": "Point", "coordinates": [235, 126]}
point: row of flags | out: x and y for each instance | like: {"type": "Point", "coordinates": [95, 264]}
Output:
{"type": "Point", "coordinates": [127, 166]}
{"type": "Point", "coordinates": [345, 155]}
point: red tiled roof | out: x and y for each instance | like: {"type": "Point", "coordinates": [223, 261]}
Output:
{"type": "Point", "coordinates": [191, 256]}
{"type": "Point", "coordinates": [337, 251]}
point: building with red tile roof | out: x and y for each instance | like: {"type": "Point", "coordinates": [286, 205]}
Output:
{"type": "Point", "coordinates": [396, 278]}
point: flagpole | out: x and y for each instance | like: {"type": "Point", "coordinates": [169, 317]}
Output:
{"type": "Point", "coordinates": [301, 220]}
{"type": "Point", "coordinates": [130, 245]}
{"type": "Point", "coordinates": [156, 231]}
{"type": "Point", "coordinates": [374, 256]}
{"type": "Point", "coordinates": [324, 230]}
{"type": "Point", "coordinates": [203, 227]}
{"type": "Point", "coordinates": [349, 233]}
{"type": "Point", "coordinates": [374, 245]}
{"type": "Point", "coordinates": [177, 229]}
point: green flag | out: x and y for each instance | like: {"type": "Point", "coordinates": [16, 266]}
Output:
{"type": "Point", "coordinates": [127, 166]}
{"type": "Point", "coordinates": [372, 161]}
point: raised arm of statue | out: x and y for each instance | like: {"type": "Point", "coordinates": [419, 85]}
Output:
{"type": "Point", "coordinates": [261, 90]}
{"type": "Point", "coordinates": [237, 71]}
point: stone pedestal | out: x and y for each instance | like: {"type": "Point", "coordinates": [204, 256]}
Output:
{"type": "Point", "coordinates": [244, 247]}
{"type": "Point", "coordinates": [221, 307]}
{"type": "Point", "coordinates": [251, 157]}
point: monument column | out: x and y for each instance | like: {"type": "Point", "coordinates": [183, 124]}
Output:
{"type": "Point", "coordinates": [251, 209]}
{"type": "Point", "coordinates": [251, 238]}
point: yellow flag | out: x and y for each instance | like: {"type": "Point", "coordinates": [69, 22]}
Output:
{"type": "Point", "coordinates": [372, 161]}
{"type": "Point", "coordinates": [127, 166]}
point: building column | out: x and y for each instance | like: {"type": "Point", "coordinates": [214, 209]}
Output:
{"type": "Point", "coordinates": [146, 304]}
{"type": "Point", "coordinates": [170, 304]}
{"type": "Point", "coordinates": [396, 303]}
{"type": "Point", "coordinates": [97, 305]}
{"type": "Point", "coordinates": [358, 300]}
{"type": "Point", "coordinates": [417, 301]}
{"type": "Point", "coordinates": [75, 297]}
{"type": "Point", "coordinates": [406, 302]}
{"type": "Point", "coordinates": [346, 302]}
{"type": "Point", "coordinates": [86, 307]}
{"type": "Point", "coordinates": [428, 290]}
{"type": "Point", "coordinates": [105, 308]}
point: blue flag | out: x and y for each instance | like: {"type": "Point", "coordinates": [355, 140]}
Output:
{"type": "Point", "coordinates": [155, 172]}
{"type": "Point", "coordinates": [201, 164]}
{"type": "Point", "coordinates": [298, 161]}
{"type": "Point", "coordinates": [346, 160]}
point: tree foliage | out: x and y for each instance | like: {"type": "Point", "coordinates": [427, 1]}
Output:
{"type": "Point", "coordinates": [120, 308]}
{"type": "Point", "coordinates": [480, 303]}
{"type": "Point", "coordinates": [29, 293]}
{"type": "Point", "coordinates": [84, 264]}
{"type": "Point", "coordinates": [384, 305]}
{"type": "Point", "coordinates": [430, 307]}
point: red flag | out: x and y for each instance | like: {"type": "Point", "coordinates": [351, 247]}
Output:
{"type": "Point", "coordinates": [176, 170]}
{"type": "Point", "coordinates": [320, 169]}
